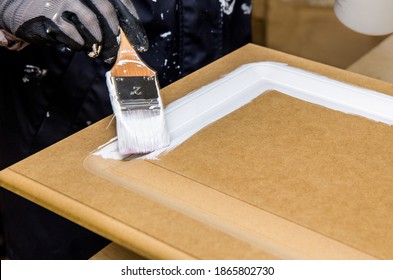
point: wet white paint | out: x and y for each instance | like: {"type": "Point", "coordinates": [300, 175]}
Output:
{"type": "Point", "coordinates": [247, 9]}
{"type": "Point", "coordinates": [228, 6]}
{"type": "Point", "coordinates": [193, 112]}
{"type": "Point", "coordinates": [109, 150]}
{"type": "Point", "coordinates": [166, 34]}
{"type": "Point", "coordinates": [138, 131]}
{"type": "Point", "coordinates": [95, 52]}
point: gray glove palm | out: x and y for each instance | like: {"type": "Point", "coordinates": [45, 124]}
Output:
{"type": "Point", "coordinates": [92, 25]}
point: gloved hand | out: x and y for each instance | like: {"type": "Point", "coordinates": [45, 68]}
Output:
{"type": "Point", "coordinates": [92, 25]}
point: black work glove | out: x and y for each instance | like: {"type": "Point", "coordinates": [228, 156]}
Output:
{"type": "Point", "coordinates": [92, 25]}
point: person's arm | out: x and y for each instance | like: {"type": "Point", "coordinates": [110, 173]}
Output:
{"type": "Point", "coordinates": [92, 25]}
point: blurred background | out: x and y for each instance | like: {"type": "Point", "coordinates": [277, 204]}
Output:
{"type": "Point", "coordinates": [309, 29]}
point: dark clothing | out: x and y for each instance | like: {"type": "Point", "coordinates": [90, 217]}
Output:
{"type": "Point", "coordinates": [46, 94]}
{"type": "Point", "coordinates": [186, 35]}
{"type": "Point", "coordinates": [32, 232]}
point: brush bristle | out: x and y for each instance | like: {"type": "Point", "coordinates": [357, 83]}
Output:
{"type": "Point", "coordinates": [141, 131]}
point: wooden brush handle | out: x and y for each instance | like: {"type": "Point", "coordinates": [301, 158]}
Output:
{"type": "Point", "coordinates": [128, 62]}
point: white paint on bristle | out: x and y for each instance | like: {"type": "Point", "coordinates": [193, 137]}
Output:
{"type": "Point", "coordinates": [141, 131]}
{"type": "Point", "coordinates": [138, 131]}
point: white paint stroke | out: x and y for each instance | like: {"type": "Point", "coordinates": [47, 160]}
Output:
{"type": "Point", "coordinates": [191, 113]}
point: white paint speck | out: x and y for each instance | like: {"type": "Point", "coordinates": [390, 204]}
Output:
{"type": "Point", "coordinates": [95, 51]}
{"type": "Point", "coordinates": [166, 34]}
{"type": "Point", "coordinates": [247, 9]}
{"type": "Point", "coordinates": [227, 6]}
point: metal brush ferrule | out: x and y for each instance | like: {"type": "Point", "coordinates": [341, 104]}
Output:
{"type": "Point", "coordinates": [136, 92]}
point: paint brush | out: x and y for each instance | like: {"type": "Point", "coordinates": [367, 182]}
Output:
{"type": "Point", "coordinates": [136, 102]}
